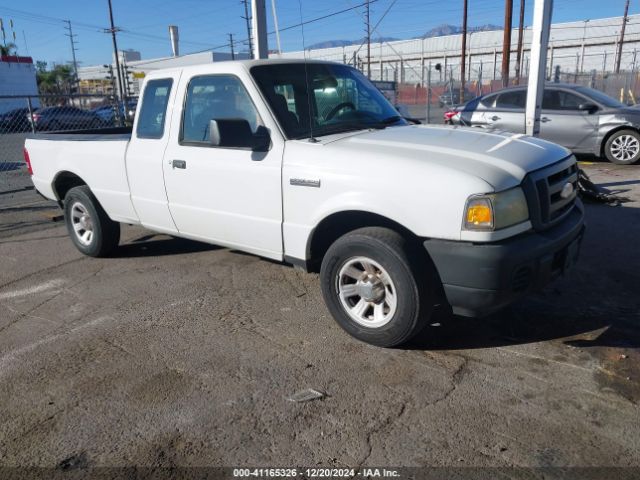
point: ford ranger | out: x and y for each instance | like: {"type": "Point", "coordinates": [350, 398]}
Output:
{"type": "Point", "coordinates": [307, 163]}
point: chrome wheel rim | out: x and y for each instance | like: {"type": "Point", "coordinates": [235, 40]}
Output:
{"type": "Point", "coordinates": [625, 147]}
{"type": "Point", "coordinates": [82, 223]}
{"type": "Point", "coordinates": [366, 292]}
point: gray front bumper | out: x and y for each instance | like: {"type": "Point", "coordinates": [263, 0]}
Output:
{"type": "Point", "coordinates": [480, 278]}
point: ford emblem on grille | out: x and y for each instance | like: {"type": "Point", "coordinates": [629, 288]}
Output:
{"type": "Point", "coordinates": [567, 190]}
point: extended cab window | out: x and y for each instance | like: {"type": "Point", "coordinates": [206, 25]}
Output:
{"type": "Point", "coordinates": [154, 108]}
{"type": "Point", "coordinates": [215, 97]}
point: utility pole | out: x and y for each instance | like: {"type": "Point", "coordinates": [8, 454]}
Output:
{"type": "Point", "coordinates": [73, 50]}
{"type": "Point", "coordinates": [542, 10]}
{"type": "Point", "coordinates": [248, 20]}
{"type": "Point", "coordinates": [620, 44]}
{"type": "Point", "coordinates": [233, 55]}
{"type": "Point", "coordinates": [520, 35]}
{"type": "Point", "coordinates": [259, 29]}
{"type": "Point", "coordinates": [463, 53]}
{"type": "Point", "coordinates": [368, 31]}
{"type": "Point", "coordinates": [113, 31]}
{"type": "Point", "coordinates": [506, 41]}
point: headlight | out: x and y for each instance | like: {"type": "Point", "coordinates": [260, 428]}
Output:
{"type": "Point", "coordinates": [496, 210]}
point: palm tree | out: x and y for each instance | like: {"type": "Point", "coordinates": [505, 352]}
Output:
{"type": "Point", "coordinates": [8, 49]}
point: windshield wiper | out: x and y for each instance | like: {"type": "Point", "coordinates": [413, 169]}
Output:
{"type": "Point", "coordinates": [390, 120]}
{"type": "Point", "coordinates": [345, 127]}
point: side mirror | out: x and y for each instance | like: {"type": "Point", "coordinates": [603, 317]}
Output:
{"type": "Point", "coordinates": [588, 107]}
{"type": "Point", "coordinates": [236, 133]}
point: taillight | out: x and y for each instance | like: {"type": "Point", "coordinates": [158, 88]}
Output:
{"type": "Point", "coordinates": [27, 160]}
{"type": "Point", "coordinates": [36, 117]}
{"type": "Point", "coordinates": [450, 114]}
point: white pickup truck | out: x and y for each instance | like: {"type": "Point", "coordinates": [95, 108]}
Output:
{"type": "Point", "coordinates": [308, 164]}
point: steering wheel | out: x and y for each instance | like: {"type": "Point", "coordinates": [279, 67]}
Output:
{"type": "Point", "coordinates": [339, 107]}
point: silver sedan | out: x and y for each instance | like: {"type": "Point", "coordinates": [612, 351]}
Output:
{"type": "Point", "coordinates": [580, 118]}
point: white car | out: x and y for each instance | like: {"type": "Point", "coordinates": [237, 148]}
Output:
{"type": "Point", "coordinates": [310, 165]}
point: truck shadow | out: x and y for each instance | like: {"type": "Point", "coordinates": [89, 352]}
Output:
{"type": "Point", "coordinates": [157, 245]}
{"type": "Point", "coordinates": [596, 305]}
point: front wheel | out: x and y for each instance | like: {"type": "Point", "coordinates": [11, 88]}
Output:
{"type": "Point", "coordinates": [373, 289]}
{"type": "Point", "coordinates": [89, 226]}
{"type": "Point", "coordinates": [623, 147]}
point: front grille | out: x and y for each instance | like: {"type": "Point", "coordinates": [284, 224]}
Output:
{"type": "Point", "coordinates": [544, 189]}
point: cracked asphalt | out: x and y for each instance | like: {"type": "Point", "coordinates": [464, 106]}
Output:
{"type": "Point", "coordinates": [177, 353]}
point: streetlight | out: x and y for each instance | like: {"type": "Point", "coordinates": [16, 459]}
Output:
{"type": "Point", "coordinates": [584, 34]}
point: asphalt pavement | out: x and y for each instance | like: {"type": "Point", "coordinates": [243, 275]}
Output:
{"type": "Point", "coordinates": [177, 353]}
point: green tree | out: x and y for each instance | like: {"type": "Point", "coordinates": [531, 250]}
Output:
{"type": "Point", "coordinates": [57, 81]}
{"type": "Point", "coordinates": [8, 49]}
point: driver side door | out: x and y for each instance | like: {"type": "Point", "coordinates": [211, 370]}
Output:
{"type": "Point", "coordinates": [228, 196]}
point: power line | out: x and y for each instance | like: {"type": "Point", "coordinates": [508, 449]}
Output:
{"type": "Point", "coordinates": [290, 27]}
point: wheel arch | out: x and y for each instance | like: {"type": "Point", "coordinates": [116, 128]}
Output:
{"type": "Point", "coordinates": [63, 182]}
{"type": "Point", "coordinates": [333, 226]}
{"type": "Point", "coordinates": [613, 131]}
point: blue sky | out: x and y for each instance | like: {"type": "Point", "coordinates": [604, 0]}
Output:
{"type": "Point", "coordinates": [206, 23]}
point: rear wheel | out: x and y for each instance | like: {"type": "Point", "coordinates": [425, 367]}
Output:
{"type": "Point", "coordinates": [373, 289]}
{"type": "Point", "coordinates": [90, 228]}
{"type": "Point", "coordinates": [623, 147]}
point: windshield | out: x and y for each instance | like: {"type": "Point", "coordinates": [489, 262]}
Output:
{"type": "Point", "coordinates": [342, 99]}
{"type": "Point", "coordinates": [600, 97]}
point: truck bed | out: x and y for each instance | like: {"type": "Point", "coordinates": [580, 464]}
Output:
{"type": "Point", "coordinates": [95, 156]}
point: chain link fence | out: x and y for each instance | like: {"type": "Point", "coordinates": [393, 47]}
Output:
{"type": "Point", "coordinates": [441, 90]}
{"type": "Point", "coordinates": [21, 116]}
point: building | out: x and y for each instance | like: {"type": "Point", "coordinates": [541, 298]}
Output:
{"type": "Point", "coordinates": [581, 46]}
{"type": "Point", "coordinates": [17, 77]}
{"type": "Point", "coordinates": [97, 79]}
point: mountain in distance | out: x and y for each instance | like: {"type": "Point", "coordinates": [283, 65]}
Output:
{"type": "Point", "coordinates": [439, 31]}
{"type": "Point", "coordinates": [446, 29]}
{"type": "Point", "coordinates": [345, 43]}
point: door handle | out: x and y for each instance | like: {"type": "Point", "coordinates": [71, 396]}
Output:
{"type": "Point", "coordinates": [179, 164]}
{"type": "Point", "coordinates": [494, 118]}
{"type": "Point", "coordinates": [545, 119]}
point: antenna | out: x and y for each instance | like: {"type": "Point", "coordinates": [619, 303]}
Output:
{"type": "Point", "coordinates": [312, 139]}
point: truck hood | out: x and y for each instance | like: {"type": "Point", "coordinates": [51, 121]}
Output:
{"type": "Point", "coordinates": [501, 159]}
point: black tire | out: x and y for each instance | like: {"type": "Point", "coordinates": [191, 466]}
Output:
{"type": "Point", "coordinates": [614, 155]}
{"type": "Point", "coordinates": [411, 279]}
{"type": "Point", "coordinates": [105, 233]}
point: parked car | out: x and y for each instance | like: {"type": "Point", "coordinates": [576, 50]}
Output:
{"type": "Point", "coordinates": [15, 120]}
{"type": "Point", "coordinates": [580, 118]}
{"type": "Point", "coordinates": [451, 97]}
{"type": "Point", "coordinates": [107, 112]}
{"type": "Point", "coordinates": [395, 217]}
{"type": "Point", "coordinates": [65, 118]}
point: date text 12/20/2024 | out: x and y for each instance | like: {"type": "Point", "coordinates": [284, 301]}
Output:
{"type": "Point", "coordinates": [315, 472]}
